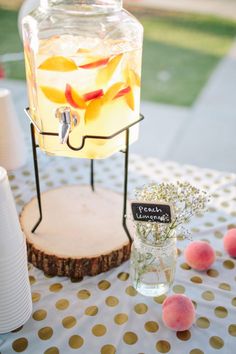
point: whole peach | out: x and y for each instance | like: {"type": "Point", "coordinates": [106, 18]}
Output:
{"type": "Point", "coordinates": [178, 312]}
{"type": "Point", "coordinates": [230, 242]}
{"type": "Point", "coordinates": [199, 255]}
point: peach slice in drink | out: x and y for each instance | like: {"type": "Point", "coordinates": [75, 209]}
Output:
{"type": "Point", "coordinates": [83, 51]}
{"type": "Point", "coordinates": [95, 64]}
{"type": "Point", "coordinates": [134, 78]}
{"type": "Point", "coordinates": [93, 110]}
{"type": "Point", "coordinates": [94, 94]}
{"type": "Point", "coordinates": [131, 77]}
{"type": "Point", "coordinates": [53, 94]}
{"type": "Point", "coordinates": [73, 98]}
{"type": "Point", "coordinates": [123, 92]}
{"type": "Point", "coordinates": [129, 97]}
{"type": "Point", "coordinates": [58, 63]}
{"type": "Point", "coordinates": [113, 91]}
{"type": "Point", "coordinates": [106, 73]}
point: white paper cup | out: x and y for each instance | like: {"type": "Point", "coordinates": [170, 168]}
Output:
{"type": "Point", "coordinates": [13, 302]}
{"type": "Point", "coordinates": [14, 276]}
{"type": "Point", "coordinates": [21, 317]}
{"type": "Point", "coordinates": [6, 262]}
{"type": "Point", "coordinates": [16, 255]}
{"type": "Point", "coordinates": [10, 232]}
{"type": "Point", "coordinates": [13, 151]}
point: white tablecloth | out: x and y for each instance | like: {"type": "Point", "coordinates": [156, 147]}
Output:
{"type": "Point", "coordinates": [104, 314]}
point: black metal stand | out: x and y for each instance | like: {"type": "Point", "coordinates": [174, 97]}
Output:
{"type": "Point", "coordinates": [33, 127]}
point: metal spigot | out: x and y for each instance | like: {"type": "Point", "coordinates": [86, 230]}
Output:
{"type": "Point", "coordinates": [68, 119]}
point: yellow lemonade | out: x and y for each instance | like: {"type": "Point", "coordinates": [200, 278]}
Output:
{"type": "Point", "coordinates": [88, 91]}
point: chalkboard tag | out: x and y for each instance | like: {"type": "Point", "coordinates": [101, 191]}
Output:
{"type": "Point", "coordinates": [152, 212]}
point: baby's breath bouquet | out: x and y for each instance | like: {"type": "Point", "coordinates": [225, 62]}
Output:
{"type": "Point", "coordinates": [153, 255]}
{"type": "Point", "coordinates": [185, 200]}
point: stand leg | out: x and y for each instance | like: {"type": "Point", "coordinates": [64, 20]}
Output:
{"type": "Point", "coordinates": [126, 185]}
{"type": "Point", "coordinates": [36, 173]}
{"type": "Point", "coordinates": [92, 175]}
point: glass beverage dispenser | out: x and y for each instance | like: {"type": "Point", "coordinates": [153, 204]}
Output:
{"type": "Point", "coordinates": [83, 67]}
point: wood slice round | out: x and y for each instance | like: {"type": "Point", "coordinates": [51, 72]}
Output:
{"type": "Point", "coordinates": [81, 232]}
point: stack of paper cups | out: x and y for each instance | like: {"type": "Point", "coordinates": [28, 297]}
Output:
{"type": "Point", "coordinates": [15, 295]}
{"type": "Point", "coordinates": [13, 151]}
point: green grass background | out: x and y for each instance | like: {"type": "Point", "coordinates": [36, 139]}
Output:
{"type": "Point", "coordinates": [180, 53]}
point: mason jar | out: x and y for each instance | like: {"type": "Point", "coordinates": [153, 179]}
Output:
{"type": "Point", "coordinates": [153, 265]}
{"type": "Point", "coordinates": [83, 68]}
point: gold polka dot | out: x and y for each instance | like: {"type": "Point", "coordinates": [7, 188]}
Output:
{"type": "Point", "coordinates": [45, 333]}
{"type": "Point", "coordinates": [179, 252]}
{"type": "Point", "coordinates": [233, 302]}
{"type": "Point", "coordinates": [45, 176]}
{"type": "Point", "coordinates": [203, 322]}
{"type": "Point", "coordinates": [225, 286]}
{"type": "Point", "coordinates": [196, 351]}
{"type": "Point", "coordinates": [131, 291]}
{"type": "Point", "coordinates": [11, 177]}
{"type": "Point", "coordinates": [99, 330]}
{"type": "Point", "coordinates": [19, 345]}
{"type": "Point", "coordinates": [221, 312]}
{"type": "Point", "coordinates": [69, 322]}
{"type": "Point", "coordinates": [123, 276]}
{"type": "Point", "coordinates": [52, 350]}
{"type": "Point", "coordinates": [151, 326]}
{"type": "Point", "coordinates": [104, 285]}
{"type": "Point", "coordinates": [159, 299]}
{"type": "Point", "coordinates": [55, 287]}
{"type": "Point", "coordinates": [205, 240]}
{"type": "Point", "coordinates": [213, 273]}
{"type": "Point", "coordinates": [228, 264]}
{"type": "Point", "coordinates": [195, 229]}
{"type": "Point", "coordinates": [219, 253]}
{"type": "Point", "coordinates": [212, 210]}
{"type": "Point", "coordinates": [91, 311]}
{"type": "Point", "coordinates": [83, 294]}
{"type": "Point", "coordinates": [76, 342]}
{"type": "Point", "coordinates": [130, 338]}
{"type": "Point", "coordinates": [183, 335]}
{"type": "Point", "coordinates": [120, 318]}
{"type": "Point", "coordinates": [48, 276]}
{"type": "Point", "coordinates": [108, 349]}
{"type": "Point", "coordinates": [221, 219]}
{"type": "Point", "coordinates": [216, 342]}
{"type": "Point", "coordinates": [62, 304]}
{"type": "Point", "coordinates": [39, 315]}
{"type": "Point", "coordinates": [185, 266]}
{"type": "Point", "coordinates": [196, 280]}
{"type": "Point", "coordinates": [163, 346]}
{"type": "Point", "coordinates": [32, 280]}
{"type": "Point", "coordinates": [112, 301]}
{"type": "Point", "coordinates": [218, 234]}
{"type": "Point", "coordinates": [232, 330]}
{"type": "Point", "coordinates": [194, 303]}
{"type": "Point", "coordinates": [25, 173]}
{"type": "Point", "coordinates": [140, 308]}
{"type": "Point", "coordinates": [36, 297]}
{"type": "Point", "coordinates": [179, 289]}
{"type": "Point", "coordinates": [208, 224]}
{"type": "Point", "coordinates": [14, 187]}
{"type": "Point", "coordinates": [208, 295]}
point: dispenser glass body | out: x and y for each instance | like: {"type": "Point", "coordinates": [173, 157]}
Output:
{"type": "Point", "coordinates": [83, 67]}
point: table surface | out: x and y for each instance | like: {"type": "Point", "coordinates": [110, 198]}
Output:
{"type": "Point", "coordinates": [104, 314]}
